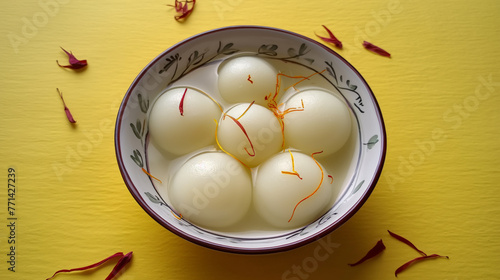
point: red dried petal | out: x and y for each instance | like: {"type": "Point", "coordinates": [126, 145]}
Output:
{"type": "Point", "coordinates": [74, 63]}
{"type": "Point", "coordinates": [120, 265]}
{"type": "Point", "coordinates": [66, 110]}
{"type": "Point", "coordinates": [178, 6]}
{"type": "Point", "coordinates": [377, 249]}
{"type": "Point", "coordinates": [407, 242]}
{"type": "Point", "coordinates": [332, 39]}
{"type": "Point", "coordinates": [124, 259]}
{"type": "Point", "coordinates": [371, 47]}
{"type": "Point", "coordinates": [183, 8]}
{"type": "Point", "coordinates": [69, 116]}
{"type": "Point", "coordinates": [409, 263]}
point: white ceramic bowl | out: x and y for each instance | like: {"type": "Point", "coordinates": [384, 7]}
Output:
{"type": "Point", "coordinates": [180, 62]}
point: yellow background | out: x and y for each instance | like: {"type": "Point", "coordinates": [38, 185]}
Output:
{"type": "Point", "coordinates": [439, 95]}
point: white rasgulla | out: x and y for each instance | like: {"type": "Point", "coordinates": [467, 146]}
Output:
{"type": "Point", "coordinates": [246, 79]}
{"type": "Point", "coordinates": [262, 128]}
{"type": "Point", "coordinates": [323, 125]}
{"type": "Point", "coordinates": [181, 134]}
{"type": "Point", "coordinates": [212, 190]}
{"type": "Point", "coordinates": [275, 194]}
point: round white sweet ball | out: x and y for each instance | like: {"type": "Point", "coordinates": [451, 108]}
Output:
{"type": "Point", "coordinates": [212, 190]}
{"type": "Point", "coordinates": [323, 125]}
{"type": "Point", "coordinates": [246, 79]}
{"type": "Point", "coordinates": [276, 194]}
{"type": "Point", "coordinates": [262, 128]}
{"type": "Point", "coordinates": [181, 134]}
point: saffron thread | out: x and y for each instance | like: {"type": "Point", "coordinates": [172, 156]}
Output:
{"type": "Point", "coordinates": [147, 173]}
{"type": "Point", "coordinates": [220, 147]}
{"type": "Point", "coordinates": [244, 132]}
{"type": "Point", "coordinates": [248, 108]}
{"type": "Point", "coordinates": [181, 104]}
{"type": "Point", "coordinates": [317, 188]}
{"type": "Point", "coordinates": [294, 172]}
{"type": "Point", "coordinates": [331, 178]}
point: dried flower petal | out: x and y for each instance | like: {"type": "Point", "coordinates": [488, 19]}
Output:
{"type": "Point", "coordinates": [375, 49]}
{"type": "Point", "coordinates": [122, 262]}
{"type": "Point", "coordinates": [406, 241]}
{"type": "Point", "coordinates": [377, 249]}
{"type": "Point", "coordinates": [74, 63]}
{"type": "Point", "coordinates": [332, 39]}
{"type": "Point", "coordinates": [66, 110]}
{"type": "Point", "coordinates": [409, 263]}
{"type": "Point", "coordinates": [124, 259]}
{"type": "Point", "coordinates": [183, 8]}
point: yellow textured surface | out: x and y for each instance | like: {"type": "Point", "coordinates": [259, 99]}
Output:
{"type": "Point", "coordinates": [439, 95]}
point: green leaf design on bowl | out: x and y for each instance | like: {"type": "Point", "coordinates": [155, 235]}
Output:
{"type": "Point", "coordinates": [358, 187]}
{"type": "Point", "coordinates": [371, 142]}
{"type": "Point", "coordinates": [154, 198]}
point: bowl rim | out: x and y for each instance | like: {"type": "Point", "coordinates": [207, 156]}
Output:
{"type": "Point", "coordinates": [259, 250]}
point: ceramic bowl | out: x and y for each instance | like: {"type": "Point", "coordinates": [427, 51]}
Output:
{"type": "Point", "coordinates": [179, 65]}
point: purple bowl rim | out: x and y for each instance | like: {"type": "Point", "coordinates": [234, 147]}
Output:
{"type": "Point", "coordinates": [261, 250]}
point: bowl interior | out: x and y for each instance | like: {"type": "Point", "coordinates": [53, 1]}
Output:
{"type": "Point", "coordinates": [182, 65]}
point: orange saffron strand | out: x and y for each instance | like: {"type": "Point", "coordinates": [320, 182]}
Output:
{"type": "Point", "coordinates": [244, 132]}
{"type": "Point", "coordinates": [238, 118]}
{"type": "Point", "coordinates": [317, 188]}
{"type": "Point", "coordinates": [294, 109]}
{"type": "Point", "coordinates": [282, 125]}
{"type": "Point", "coordinates": [274, 107]}
{"type": "Point", "coordinates": [177, 216]}
{"type": "Point", "coordinates": [280, 115]}
{"type": "Point", "coordinates": [220, 147]}
{"type": "Point", "coordinates": [293, 168]}
{"type": "Point", "coordinates": [147, 173]}
{"type": "Point", "coordinates": [331, 177]}
{"type": "Point", "coordinates": [250, 79]}
{"type": "Point", "coordinates": [305, 78]}
{"type": "Point", "coordinates": [278, 83]}
{"type": "Point", "coordinates": [215, 101]}
{"type": "Point", "coordinates": [292, 173]}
